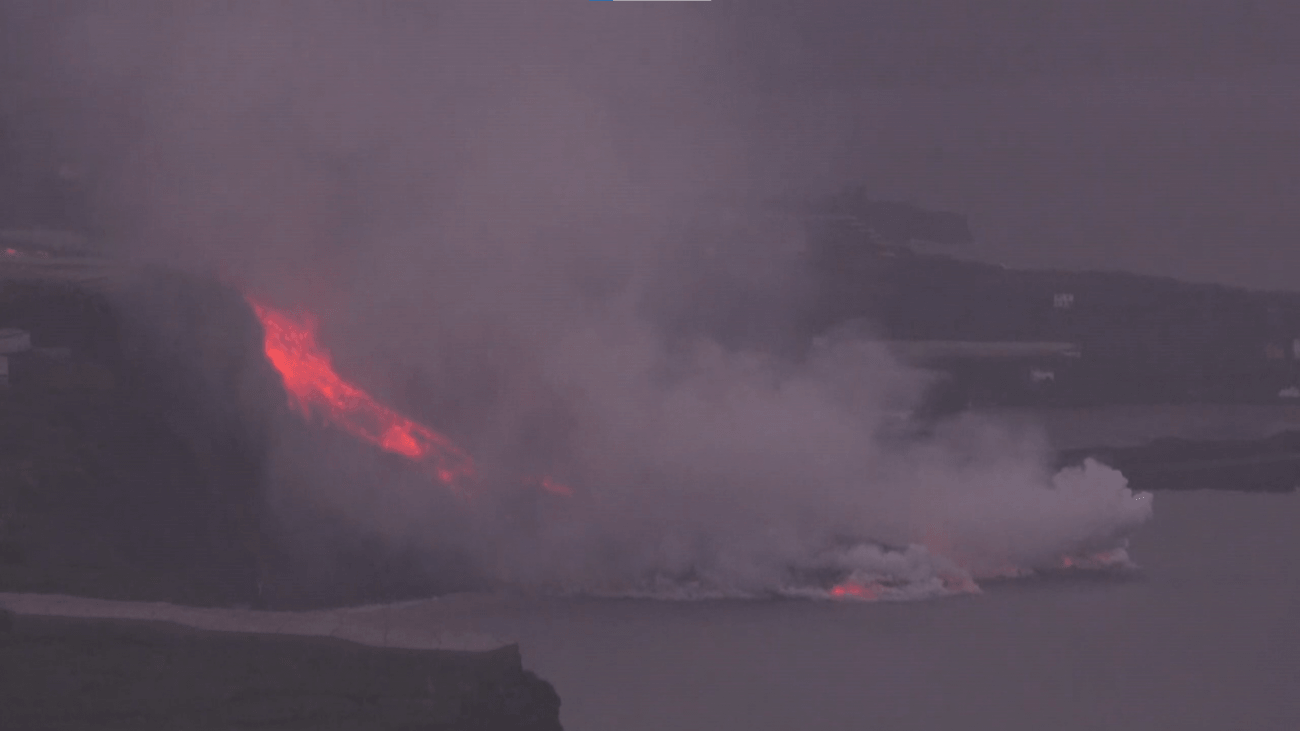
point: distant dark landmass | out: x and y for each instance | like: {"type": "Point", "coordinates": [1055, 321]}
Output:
{"type": "Point", "coordinates": [999, 336]}
{"type": "Point", "coordinates": [1132, 339]}
{"type": "Point", "coordinates": [1255, 465]}
{"type": "Point", "coordinates": [1142, 340]}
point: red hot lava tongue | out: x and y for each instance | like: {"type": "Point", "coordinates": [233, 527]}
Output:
{"type": "Point", "coordinates": [309, 377]}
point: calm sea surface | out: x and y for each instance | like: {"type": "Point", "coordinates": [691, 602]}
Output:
{"type": "Point", "coordinates": [1207, 636]}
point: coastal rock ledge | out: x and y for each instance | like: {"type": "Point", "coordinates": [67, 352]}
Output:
{"type": "Point", "coordinates": [94, 673]}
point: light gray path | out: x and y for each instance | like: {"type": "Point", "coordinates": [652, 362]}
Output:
{"type": "Point", "coordinates": [371, 626]}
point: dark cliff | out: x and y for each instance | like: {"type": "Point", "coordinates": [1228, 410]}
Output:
{"type": "Point", "coordinates": [60, 673]}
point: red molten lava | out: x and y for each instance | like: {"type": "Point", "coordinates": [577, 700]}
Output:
{"type": "Point", "coordinates": [309, 377]}
{"type": "Point", "coordinates": [854, 590]}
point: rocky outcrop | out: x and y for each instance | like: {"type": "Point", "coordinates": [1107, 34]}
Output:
{"type": "Point", "coordinates": [65, 673]}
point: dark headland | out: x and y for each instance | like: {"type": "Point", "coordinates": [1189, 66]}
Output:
{"type": "Point", "coordinates": [125, 475]}
{"type": "Point", "coordinates": [64, 673]}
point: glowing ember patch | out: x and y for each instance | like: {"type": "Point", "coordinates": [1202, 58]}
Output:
{"type": "Point", "coordinates": [313, 386]}
{"type": "Point", "coordinates": [555, 488]}
{"type": "Point", "coordinates": [854, 590]}
{"type": "Point", "coordinates": [396, 440]}
{"type": "Point", "coordinates": [18, 253]}
{"type": "Point", "coordinates": [1105, 560]}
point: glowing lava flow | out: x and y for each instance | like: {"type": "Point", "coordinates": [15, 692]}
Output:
{"type": "Point", "coordinates": [854, 590]}
{"type": "Point", "coordinates": [309, 377]}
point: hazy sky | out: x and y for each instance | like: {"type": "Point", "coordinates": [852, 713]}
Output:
{"type": "Point", "coordinates": [1155, 136]}
{"type": "Point", "coordinates": [1152, 136]}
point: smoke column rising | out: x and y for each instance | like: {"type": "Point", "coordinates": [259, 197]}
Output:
{"type": "Point", "coordinates": [492, 197]}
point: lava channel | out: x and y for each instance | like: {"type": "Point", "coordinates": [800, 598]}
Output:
{"type": "Point", "coordinates": [313, 386]}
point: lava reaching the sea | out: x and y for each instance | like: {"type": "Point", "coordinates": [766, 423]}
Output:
{"type": "Point", "coordinates": [308, 373]}
{"type": "Point", "coordinates": [318, 392]}
{"type": "Point", "coordinates": [854, 590]}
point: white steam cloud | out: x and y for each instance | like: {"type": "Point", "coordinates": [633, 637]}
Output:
{"type": "Point", "coordinates": [493, 200]}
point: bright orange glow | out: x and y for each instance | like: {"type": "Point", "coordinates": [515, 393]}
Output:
{"type": "Point", "coordinates": [309, 377]}
{"type": "Point", "coordinates": [854, 590]}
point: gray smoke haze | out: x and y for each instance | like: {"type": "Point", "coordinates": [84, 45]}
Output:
{"type": "Point", "coordinates": [498, 203]}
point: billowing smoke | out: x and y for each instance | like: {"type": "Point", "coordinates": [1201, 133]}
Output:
{"type": "Point", "coordinates": [498, 212]}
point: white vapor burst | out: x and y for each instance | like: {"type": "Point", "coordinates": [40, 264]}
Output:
{"type": "Point", "coordinates": [731, 478]}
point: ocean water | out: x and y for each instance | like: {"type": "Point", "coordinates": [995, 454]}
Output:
{"type": "Point", "coordinates": [1205, 636]}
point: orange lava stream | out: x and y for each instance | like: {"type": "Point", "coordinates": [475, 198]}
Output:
{"type": "Point", "coordinates": [854, 590]}
{"type": "Point", "coordinates": [309, 377]}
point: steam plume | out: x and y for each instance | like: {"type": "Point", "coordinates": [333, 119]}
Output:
{"type": "Point", "coordinates": [484, 203]}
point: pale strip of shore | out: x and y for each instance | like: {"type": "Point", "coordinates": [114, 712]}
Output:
{"type": "Point", "coordinates": [367, 625]}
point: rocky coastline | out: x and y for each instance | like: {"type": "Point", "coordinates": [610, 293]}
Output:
{"type": "Point", "coordinates": [94, 673]}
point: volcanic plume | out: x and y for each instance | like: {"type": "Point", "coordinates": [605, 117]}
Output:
{"type": "Point", "coordinates": [496, 217]}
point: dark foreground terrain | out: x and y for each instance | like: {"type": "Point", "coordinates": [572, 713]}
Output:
{"type": "Point", "coordinates": [62, 673]}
